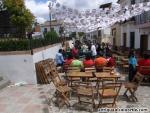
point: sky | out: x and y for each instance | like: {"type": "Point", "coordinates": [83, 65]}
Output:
{"type": "Point", "coordinates": [41, 11]}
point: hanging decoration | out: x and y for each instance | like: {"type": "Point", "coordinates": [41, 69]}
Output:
{"type": "Point", "coordinates": [91, 20]}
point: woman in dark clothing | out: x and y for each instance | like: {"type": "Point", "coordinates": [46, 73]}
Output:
{"type": "Point", "coordinates": [132, 65]}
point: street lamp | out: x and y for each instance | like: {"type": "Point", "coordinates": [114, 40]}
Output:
{"type": "Point", "coordinates": [51, 4]}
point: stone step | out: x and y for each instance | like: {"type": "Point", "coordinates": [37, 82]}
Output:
{"type": "Point", "coordinates": [4, 83]}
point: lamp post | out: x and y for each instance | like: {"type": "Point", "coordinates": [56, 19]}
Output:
{"type": "Point", "coordinates": [51, 4]}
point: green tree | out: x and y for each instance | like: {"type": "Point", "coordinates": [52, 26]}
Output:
{"type": "Point", "coordinates": [51, 36]}
{"type": "Point", "coordinates": [81, 34]}
{"type": "Point", "coordinates": [21, 17]}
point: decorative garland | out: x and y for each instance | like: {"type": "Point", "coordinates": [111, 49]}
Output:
{"type": "Point", "coordinates": [91, 20]}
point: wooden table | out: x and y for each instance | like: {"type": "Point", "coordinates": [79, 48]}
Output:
{"type": "Point", "coordinates": [80, 74]}
{"type": "Point", "coordinates": [125, 59]}
{"type": "Point", "coordinates": [76, 75]}
{"type": "Point", "coordinates": [106, 75]}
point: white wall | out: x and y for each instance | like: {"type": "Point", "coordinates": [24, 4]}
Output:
{"type": "Point", "coordinates": [127, 28]}
{"type": "Point", "coordinates": [18, 68]}
{"type": "Point", "coordinates": [47, 53]}
{"type": "Point", "coordinates": [56, 28]}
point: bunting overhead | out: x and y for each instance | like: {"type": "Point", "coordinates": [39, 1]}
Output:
{"type": "Point", "coordinates": [93, 19]}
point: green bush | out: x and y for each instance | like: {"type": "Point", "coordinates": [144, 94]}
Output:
{"type": "Point", "coordinates": [16, 44]}
{"type": "Point", "coordinates": [52, 37]}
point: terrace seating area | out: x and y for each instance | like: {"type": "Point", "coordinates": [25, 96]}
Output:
{"type": "Point", "coordinates": [88, 86]}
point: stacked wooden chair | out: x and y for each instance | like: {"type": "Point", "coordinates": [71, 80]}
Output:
{"type": "Point", "coordinates": [49, 70]}
{"type": "Point", "coordinates": [42, 78]}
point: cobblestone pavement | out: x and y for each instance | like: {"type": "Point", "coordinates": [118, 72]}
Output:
{"type": "Point", "coordinates": [34, 99]}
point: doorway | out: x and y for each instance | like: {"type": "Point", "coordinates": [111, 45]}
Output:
{"type": "Point", "coordinates": [124, 39]}
{"type": "Point", "coordinates": [132, 40]}
{"type": "Point", "coordinates": [143, 43]}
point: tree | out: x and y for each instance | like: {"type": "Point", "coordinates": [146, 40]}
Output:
{"type": "Point", "coordinates": [20, 17]}
{"type": "Point", "coordinates": [51, 36]}
{"type": "Point", "coordinates": [81, 34]}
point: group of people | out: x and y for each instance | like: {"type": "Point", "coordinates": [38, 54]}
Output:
{"type": "Point", "coordinates": [82, 49]}
{"type": "Point", "coordinates": [97, 55]}
{"type": "Point", "coordinates": [93, 57]}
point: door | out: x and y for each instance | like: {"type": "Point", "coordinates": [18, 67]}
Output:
{"type": "Point", "coordinates": [132, 40]}
{"type": "Point", "coordinates": [143, 43]}
{"type": "Point", "coordinates": [124, 40]}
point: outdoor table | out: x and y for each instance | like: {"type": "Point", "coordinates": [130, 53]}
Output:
{"type": "Point", "coordinates": [80, 74]}
{"type": "Point", "coordinates": [105, 75]}
{"type": "Point", "coordinates": [125, 59]}
{"type": "Point", "coordinates": [85, 75]}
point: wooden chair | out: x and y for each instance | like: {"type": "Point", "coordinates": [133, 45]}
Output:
{"type": "Point", "coordinates": [85, 89]}
{"type": "Point", "coordinates": [74, 79]}
{"type": "Point", "coordinates": [108, 91]}
{"type": "Point", "coordinates": [132, 87]}
{"type": "Point", "coordinates": [62, 90]}
{"type": "Point", "coordinates": [62, 93]}
{"type": "Point", "coordinates": [90, 69]}
{"type": "Point", "coordinates": [108, 69]}
{"type": "Point", "coordinates": [56, 79]}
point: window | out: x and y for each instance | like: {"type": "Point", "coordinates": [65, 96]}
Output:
{"type": "Point", "coordinates": [45, 30]}
{"type": "Point", "coordinates": [124, 39]}
{"type": "Point", "coordinates": [132, 1]}
{"type": "Point", "coordinates": [132, 40]}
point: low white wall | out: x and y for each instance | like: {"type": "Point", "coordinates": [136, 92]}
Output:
{"type": "Point", "coordinates": [18, 68]}
{"type": "Point", "coordinates": [21, 68]}
{"type": "Point", "coordinates": [47, 53]}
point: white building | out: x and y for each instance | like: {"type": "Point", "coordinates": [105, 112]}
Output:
{"type": "Point", "coordinates": [100, 36]}
{"type": "Point", "coordinates": [129, 36]}
{"type": "Point", "coordinates": [135, 33]}
{"type": "Point", "coordinates": [55, 25]}
{"type": "Point", "coordinates": [143, 24]}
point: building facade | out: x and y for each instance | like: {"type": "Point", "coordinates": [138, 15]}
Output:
{"type": "Point", "coordinates": [55, 25]}
{"type": "Point", "coordinates": [129, 33]}
{"type": "Point", "coordinates": [116, 35]}
{"type": "Point", "coordinates": [143, 24]}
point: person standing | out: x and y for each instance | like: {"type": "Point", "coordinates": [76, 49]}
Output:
{"type": "Point", "coordinates": [59, 58]}
{"type": "Point", "coordinates": [93, 49]}
{"type": "Point", "coordinates": [75, 52]}
{"type": "Point", "coordinates": [132, 65]}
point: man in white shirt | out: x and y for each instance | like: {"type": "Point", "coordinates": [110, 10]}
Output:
{"type": "Point", "coordinates": [72, 45]}
{"type": "Point", "coordinates": [93, 49]}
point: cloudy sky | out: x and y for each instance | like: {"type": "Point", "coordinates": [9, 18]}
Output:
{"type": "Point", "coordinates": [40, 7]}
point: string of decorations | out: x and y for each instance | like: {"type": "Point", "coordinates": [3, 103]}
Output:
{"type": "Point", "coordinates": [94, 19]}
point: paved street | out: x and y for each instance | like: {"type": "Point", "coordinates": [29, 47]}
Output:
{"type": "Point", "coordinates": [34, 99]}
